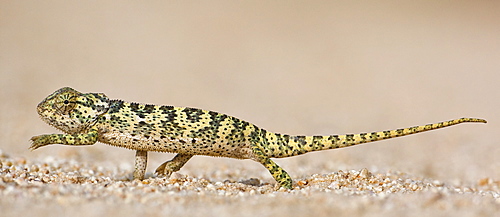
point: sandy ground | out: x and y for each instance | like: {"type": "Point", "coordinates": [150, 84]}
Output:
{"type": "Point", "coordinates": [315, 67]}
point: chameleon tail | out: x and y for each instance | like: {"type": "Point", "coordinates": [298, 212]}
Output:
{"type": "Point", "coordinates": [277, 146]}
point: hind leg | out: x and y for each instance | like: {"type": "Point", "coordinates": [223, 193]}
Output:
{"type": "Point", "coordinates": [279, 174]}
{"type": "Point", "coordinates": [166, 169]}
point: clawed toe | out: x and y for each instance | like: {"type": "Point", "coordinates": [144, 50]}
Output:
{"type": "Point", "coordinates": [161, 171]}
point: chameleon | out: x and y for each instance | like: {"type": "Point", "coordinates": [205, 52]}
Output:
{"type": "Point", "coordinates": [87, 118]}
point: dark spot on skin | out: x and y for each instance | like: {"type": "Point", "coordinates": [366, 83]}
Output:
{"type": "Point", "coordinates": [149, 108]}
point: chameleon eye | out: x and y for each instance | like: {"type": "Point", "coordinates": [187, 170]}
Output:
{"type": "Point", "coordinates": [66, 102]}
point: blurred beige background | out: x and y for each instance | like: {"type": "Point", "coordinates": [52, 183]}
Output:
{"type": "Point", "coordinates": [297, 67]}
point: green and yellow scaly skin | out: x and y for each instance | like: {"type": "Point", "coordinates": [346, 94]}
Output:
{"type": "Point", "coordinates": [87, 118]}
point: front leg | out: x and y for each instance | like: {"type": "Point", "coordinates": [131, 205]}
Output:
{"type": "Point", "coordinates": [141, 162]}
{"type": "Point", "coordinates": [88, 138]}
{"type": "Point", "coordinates": [174, 165]}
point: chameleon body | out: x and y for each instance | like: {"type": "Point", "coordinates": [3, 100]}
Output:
{"type": "Point", "coordinates": [87, 118]}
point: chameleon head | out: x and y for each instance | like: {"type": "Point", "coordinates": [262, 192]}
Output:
{"type": "Point", "coordinates": [71, 111]}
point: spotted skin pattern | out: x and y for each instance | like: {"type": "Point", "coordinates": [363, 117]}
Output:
{"type": "Point", "coordinates": [87, 118]}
